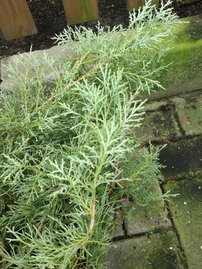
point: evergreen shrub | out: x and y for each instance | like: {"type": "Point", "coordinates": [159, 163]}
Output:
{"type": "Point", "coordinates": [62, 141]}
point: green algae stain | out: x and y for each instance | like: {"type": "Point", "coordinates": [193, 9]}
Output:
{"type": "Point", "coordinates": [186, 211]}
{"type": "Point", "coordinates": [154, 251]}
{"type": "Point", "coordinates": [187, 47]}
{"type": "Point", "coordinates": [194, 29]}
{"type": "Point", "coordinates": [190, 30]}
{"type": "Point", "coordinates": [185, 63]}
{"type": "Point", "coordinates": [183, 60]}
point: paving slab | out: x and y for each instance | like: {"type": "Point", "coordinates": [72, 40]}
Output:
{"type": "Point", "coordinates": [156, 251]}
{"type": "Point", "coordinates": [28, 62]}
{"type": "Point", "coordinates": [185, 72]}
{"type": "Point", "coordinates": [155, 105]}
{"type": "Point", "coordinates": [181, 157]}
{"type": "Point", "coordinates": [186, 211]}
{"type": "Point", "coordinates": [184, 75]}
{"type": "Point", "coordinates": [189, 111]}
{"type": "Point", "coordinates": [186, 1]}
{"type": "Point", "coordinates": [140, 219]}
{"type": "Point", "coordinates": [118, 227]}
{"type": "Point", "coordinates": [144, 210]}
{"type": "Point", "coordinates": [158, 125]}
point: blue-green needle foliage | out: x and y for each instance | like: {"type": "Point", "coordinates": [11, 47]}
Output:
{"type": "Point", "coordinates": [64, 128]}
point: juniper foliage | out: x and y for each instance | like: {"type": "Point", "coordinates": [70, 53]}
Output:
{"type": "Point", "coordinates": [61, 142]}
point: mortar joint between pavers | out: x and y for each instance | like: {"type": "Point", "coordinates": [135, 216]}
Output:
{"type": "Point", "coordinates": [177, 118]}
{"type": "Point", "coordinates": [123, 225]}
{"type": "Point", "coordinates": [156, 230]}
{"type": "Point", "coordinates": [181, 250]}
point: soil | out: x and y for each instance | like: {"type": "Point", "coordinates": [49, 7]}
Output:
{"type": "Point", "coordinates": [50, 19]}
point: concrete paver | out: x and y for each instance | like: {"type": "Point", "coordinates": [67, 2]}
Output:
{"type": "Point", "coordinates": [158, 125]}
{"type": "Point", "coordinates": [145, 218]}
{"type": "Point", "coordinates": [182, 157]}
{"type": "Point", "coordinates": [118, 227]}
{"type": "Point", "coordinates": [189, 111]}
{"type": "Point", "coordinates": [156, 251]}
{"type": "Point", "coordinates": [186, 211]}
{"type": "Point", "coordinates": [155, 105]}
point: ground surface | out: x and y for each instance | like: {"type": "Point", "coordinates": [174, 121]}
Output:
{"type": "Point", "coordinates": [167, 235]}
{"type": "Point", "coordinates": [50, 19]}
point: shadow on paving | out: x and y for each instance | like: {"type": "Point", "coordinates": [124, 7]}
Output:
{"type": "Point", "coordinates": [181, 158]}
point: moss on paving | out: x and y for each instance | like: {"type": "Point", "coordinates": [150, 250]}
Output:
{"type": "Point", "coordinates": [183, 60]}
{"type": "Point", "coordinates": [186, 211]}
{"type": "Point", "coordinates": [186, 59]}
{"type": "Point", "coordinates": [158, 125]}
{"type": "Point", "coordinates": [189, 109]}
{"type": "Point", "coordinates": [190, 31]}
{"type": "Point", "coordinates": [155, 251]}
{"type": "Point", "coordinates": [186, 55]}
{"type": "Point", "coordinates": [139, 219]}
{"type": "Point", "coordinates": [181, 158]}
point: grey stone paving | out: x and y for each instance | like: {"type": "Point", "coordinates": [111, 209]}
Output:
{"type": "Point", "coordinates": [186, 211]}
{"type": "Point", "coordinates": [158, 125]}
{"type": "Point", "coordinates": [189, 110]}
{"type": "Point", "coordinates": [56, 54]}
{"type": "Point", "coordinates": [182, 157]}
{"type": "Point", "coordinates": [167, 234]}
{"type": "Point", "coordinates": [145, 218]}
{"type": "Point", "coordinates": [118, 228]}
{"type": "Point", "coordinates": [153, 251]}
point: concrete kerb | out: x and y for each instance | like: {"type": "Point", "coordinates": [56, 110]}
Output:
{"type": "Point", "coordinates": [57, 54]}
{"type": "Point", "coordinates": [184, 75]}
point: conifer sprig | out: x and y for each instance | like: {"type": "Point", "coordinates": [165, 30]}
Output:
{"type": "Point", "coordinates": [62, 141]}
